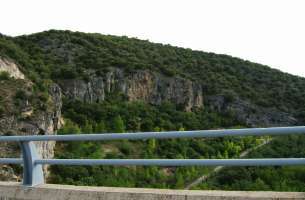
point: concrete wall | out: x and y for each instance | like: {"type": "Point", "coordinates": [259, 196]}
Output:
{"type": "Point", "coordinates": [13, 191]}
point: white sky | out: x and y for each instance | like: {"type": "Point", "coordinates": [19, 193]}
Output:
{"type": "Point", "coordinates": [270, 32]}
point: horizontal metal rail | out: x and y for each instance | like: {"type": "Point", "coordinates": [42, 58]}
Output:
{"type": "Point", "coordinates": [32, 163]}
{"type": "Point", "coordinates": [176, 162]}
{"type": "Point", "coordinates": [11, 161]}
{"type": "Point", "coordinates": [160, 135]}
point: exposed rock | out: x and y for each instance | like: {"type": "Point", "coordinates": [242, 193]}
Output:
{"type": "Point", "coordinates": [40, 123]}
{"type": "Point", "coordinates": [141, 85]}
{"type": "Point", "coordinates": [250, 114]}
{"type": "Point", "coordinates": [10, 67]}
{"type": "Point", "coordinates": [156, 89]}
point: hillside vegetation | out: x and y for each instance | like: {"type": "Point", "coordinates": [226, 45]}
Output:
{"type": "Point", "coordinates": [265, 178]}
{"type": "Point", "coordinates": [246, 89]}
{"type": "Point", "coordinates": [64, 55]}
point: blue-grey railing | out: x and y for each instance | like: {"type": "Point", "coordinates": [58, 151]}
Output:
{"type": "Point", "coordinates": [32, 163]}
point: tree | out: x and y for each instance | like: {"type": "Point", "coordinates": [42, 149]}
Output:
{"type": "Point", "coordinates": [181, 129]}
{"type": "Point", "coordinates": [225, 154]}
{"type": "Point", "coordinates": [100, 127]}
{"type": "Point", "coordinates": [69, 128]}
{"type": "Point", "coordinates": [151, 145]}
{"type": "Point", "coordinates": [147, 125]}
{"type": "Point", "coordinates": [219, 156]}
{"type": "Point", "coordinates": [87, 128]}
{"type": "Point", "coordinates": [119, 126]}
{"type": "Point", "coordinates": [157, 129]}
{"type": "Point", "coordinates": [179, 181]}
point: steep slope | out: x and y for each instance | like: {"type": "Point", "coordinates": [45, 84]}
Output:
{"type": "Point", "coordinates": [90, 67]}
{"type": "Point", "coordinates": [118, 84]}
{"type": "Point", "coordinates": [66, 55]}
{"type": "Point", "coordinates": [25, 111]}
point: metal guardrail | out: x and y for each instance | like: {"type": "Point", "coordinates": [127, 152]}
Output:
{"type": "Point", "coordinates": [32, 163]}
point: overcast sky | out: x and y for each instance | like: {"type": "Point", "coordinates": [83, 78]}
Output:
{"type": "Point", "coordinates": [270, 32]}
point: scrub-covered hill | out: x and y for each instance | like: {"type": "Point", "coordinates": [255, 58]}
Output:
{"type": "Point", "coordinates": [103, 83]}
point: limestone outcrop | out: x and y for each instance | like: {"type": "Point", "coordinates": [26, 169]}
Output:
{"type": "Point", "coordinates": [9, 66]}
{"type": "Point", "coordinates": [250, 114]}
{"type": "Point", "coordinates": [141, 85]}
{"type": "Point", "coordinates": [36, 122]}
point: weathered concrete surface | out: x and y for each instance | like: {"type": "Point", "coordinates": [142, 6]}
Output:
{"type": "Point", "coordinates": [14, 191]}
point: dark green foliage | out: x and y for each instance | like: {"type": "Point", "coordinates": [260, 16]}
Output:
{"type": "Point", "coordinates": [266, 178]}
{"type": "Point", "coordinates": [21, 95]}
{"type": "Point", "coordinates": [64, 55]}
{"type": "Point", "coordinates": [69, 128]}
{"type": "Point", "coordinates": [118, 125]}
{"type": "Point", "coordinates": [138, 116]}
{"type": "Point", "coordinates": [120, 116]}
{"type": "Point", "coordinates": [4, 76]}
{"type": "Point", "coordinates": [2, 111]}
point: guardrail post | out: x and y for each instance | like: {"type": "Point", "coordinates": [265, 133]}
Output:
{"type": "Point", "coordinates": [32, 173]}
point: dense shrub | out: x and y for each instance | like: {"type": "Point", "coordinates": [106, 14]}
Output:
{"type": "Point", "coordinates": [4, 76]}
{"type": "Point", "coordinates": [289, 178]}
{"type": "Point", "coordinates": [65, 55]}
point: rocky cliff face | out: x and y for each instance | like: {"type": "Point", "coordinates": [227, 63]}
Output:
{"type": "Point", "coordinates": [141, 85]}
{"type": "Point", "coordinates": [10, 67]}
{"type": "Point", "coordinates": [26, 119]}
{"type": "Point", "coordinates": [155, 88]}
{"type": "Point", "coordinates": [250, 114]}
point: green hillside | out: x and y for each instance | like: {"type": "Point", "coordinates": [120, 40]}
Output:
{"type": "Point", "coordinates": [64, 54]}
{"type": "Point", "coordinates": [230, 87]}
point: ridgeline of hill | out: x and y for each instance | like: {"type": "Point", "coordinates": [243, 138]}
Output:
{"type": "Point", "coordinates": [98, 83]}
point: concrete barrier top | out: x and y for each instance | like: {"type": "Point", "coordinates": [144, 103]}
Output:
{"type": "Point", "coordinates": [15, 191]}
